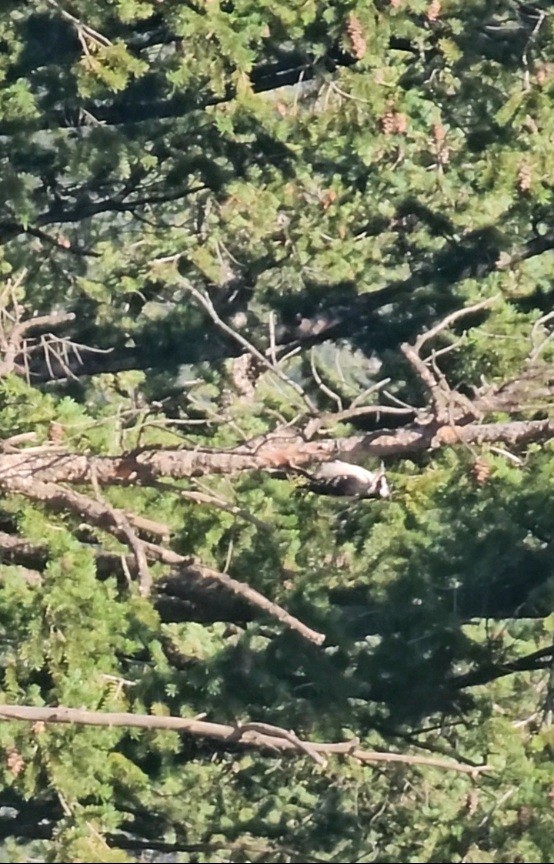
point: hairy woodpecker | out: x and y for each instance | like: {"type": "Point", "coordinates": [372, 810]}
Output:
{"type": "Point", "coordinates": [348, 481]}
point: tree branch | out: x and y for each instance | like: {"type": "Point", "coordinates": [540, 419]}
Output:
{"type": "Point", "coordinates": [250, 735]}
{"type": "Point", "coordinates": [208, 306]}
{"type": "Point", "coordinates": [177, 596]}
{"type": "Point", "coordinates": [12, 342]}
{"type": "Point", "coordinates": [21, 471]}
{"type": "Point", "coordinates": [541, 659]}
{"type": "Point", "coordinates": [444, 399]}
{"type": "Point", "coordinates": [114, 521]}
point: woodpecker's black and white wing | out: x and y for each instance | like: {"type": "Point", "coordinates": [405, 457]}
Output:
{"type": "Point", "coordinates": [348, 481]}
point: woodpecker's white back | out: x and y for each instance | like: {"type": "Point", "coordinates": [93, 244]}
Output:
{"type": "Point", "coordinates": [344, 479]}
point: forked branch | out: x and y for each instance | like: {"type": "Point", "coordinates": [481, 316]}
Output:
{"type": "Point", "coordinates": [257, 735]}
{"type": "Point", "coordinates": [444, 400]}
{"type": "Point", "coordinates": [117, 522]}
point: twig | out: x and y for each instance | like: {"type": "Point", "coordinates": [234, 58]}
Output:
{"type": "Point", "coordinates": [399, 402]}
{"type": "Point", "coordinates": [272, 347]}
{"type": "Point", "coordinates": [316, 423]}
{"type": "Point", "coordinates": [116, 522]}
{"type": "Point", "coordinates": [445, 350]}
{"type": "Point", "coordinates": [277, 740]}
{"type": "Point", "coordinates": [121, 521]}
{"type": "Point", "coordinates": [439, 391]}
{"type": "Point", "coordinates": [539, 348]}
{"type": "Point", "coordinates": [149, 526]}
{"type": "Point", "coordinates": [322, 386]}
{"type": "Point", "coordinates": [221, 504]}
{"type": "Point", "coordinates": [442, 396]}
{"type": "Point", "coordinates": [507, 455]}
{"type": "Point", "coordinates": [365, 410]}
{"type": "Point", "coordinates": [79, 25]}
{"type": "Point", "coordinates": [369, 390]}
{"type": "Point", "coordinates": [268, 729]}
{"type": "Point", "coordinates": [229, 556]}
{"type": "Point", "coordinates": [12, 344]}
{"type": "Point", "coordinates": [208, 306]}
{"type": "Point", "coordinates": [451, 319]}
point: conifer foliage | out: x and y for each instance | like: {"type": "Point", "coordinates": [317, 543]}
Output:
{"type": "Point", "coordinates": [238, 240]}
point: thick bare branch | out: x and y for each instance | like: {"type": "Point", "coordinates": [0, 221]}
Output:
{"type": "Point", "coordinates": [532, 390]}
{"type": "Point", "coordinates": [541, 659]}
{"type": "Point", "coordinates": [439, 391]}
{"type": "Point", "coordinates": [277, 740]}
{"type": "Point", "coordinates": [20, 471]}
{"type": "Point", "coordinates": [116, 521]}
{"type": "Point", "coordinates": [193, 569]}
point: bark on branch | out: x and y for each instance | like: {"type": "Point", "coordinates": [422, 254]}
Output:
{"type": "Point", "coordinates": [275, 739]}
{"type": "Point", "coordinates": [541, 659]}
{"type": "Point", "coordinates": [21, 471]}
{"type": "Point", "coordinates": [445, 401]}
{"type": "Point", "coordinates": [116, 523]}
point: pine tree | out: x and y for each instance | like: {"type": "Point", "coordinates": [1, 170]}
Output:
{"type": "Point", "coordinates": [239, 240]}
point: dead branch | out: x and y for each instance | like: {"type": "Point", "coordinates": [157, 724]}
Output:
{"type": "Point", "coordinates": [116, 521]}
{"type": "Point", "coordinates": [184, 589]}
{"type": "Point", "coordinates": [321, 384]}
{"type": "Point", "coordinates": [122, 523]}
{"type": "Point", "coordinates": [539, 346]}
{"type": "Point", "coordinates": [208, 306]}
{"type": "Point", "coordinates": [438, 388]}
{"type": "Point", "coordinates": [250, 735]}
{"type": "Point", "coordinates": [80, 26]}
{"type": "Point", "coordinates": [366, 411]}
{"type": "Point", "coordinates": [19, 471]}
{"type": "Point", "coordinates": [33, 557]}
{"type": "Point", "coordinates": [450, 319]}
{"type": "Point", "coordinates": [443, 398]}
{"type": "Point", "coordinates": [58, 352]}
{"type": "Point", "coordinates": [268, 729]}
{"type": "Point", "coordinates": [532, 390]}
{"type": "Point", "coordinates": [148, 526]}
{"type": "Point", "coordinates": [537, 660]}
{"type": "Point", "coordinates": [10, 445]}
{"type": "Point", "coordinates": [12, 343]}
{"type": "Point", "coordinates": [193, 569]}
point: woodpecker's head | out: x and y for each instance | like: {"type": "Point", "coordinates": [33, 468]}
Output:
{"type": "Point", "coordinates": [349, 481]}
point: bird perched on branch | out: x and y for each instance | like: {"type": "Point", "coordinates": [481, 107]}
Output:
{"type": "Point", "coordinates": [347, 481]}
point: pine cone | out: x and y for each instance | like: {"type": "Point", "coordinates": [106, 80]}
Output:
{"type": "Point", "coordinates": [245, 371]}
{"type": "Point", "coordinates": [394, 123]}
{"type": "Point", "coordinates": [433, 11]}
{"type": "Point", "coordinates": [15, 762]}
{"type": "Point", "coordinates": [524, 176]}
{"type": "Point", "coordinates": [481, 471]}
{"type": "Point", "coordinates": [355, 33]}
